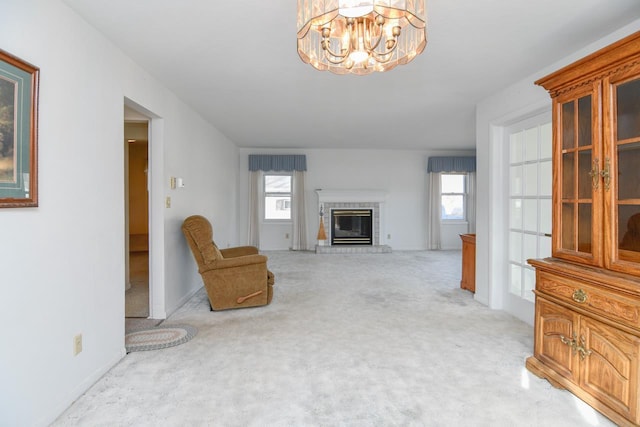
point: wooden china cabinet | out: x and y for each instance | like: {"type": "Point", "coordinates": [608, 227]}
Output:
{"type": "Point", "coordinates": [587, 315]}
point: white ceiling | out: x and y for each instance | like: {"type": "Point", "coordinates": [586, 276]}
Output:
{"type": "Point", "coordinates": [236, 63]}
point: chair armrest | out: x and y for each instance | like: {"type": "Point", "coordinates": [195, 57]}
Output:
{"type": "Point", "coordinates": [234, 262]}
{"type": "Point", "coordinates": [238, 251]}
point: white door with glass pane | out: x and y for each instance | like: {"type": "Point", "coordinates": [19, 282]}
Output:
{"type": "Point", "coordinates": [529, 229]}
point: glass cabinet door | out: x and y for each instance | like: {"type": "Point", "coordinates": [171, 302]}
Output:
{"type": "Point", "coordinates": [622, 175]}
{"type": "Point", "coordinates": [577, 193]}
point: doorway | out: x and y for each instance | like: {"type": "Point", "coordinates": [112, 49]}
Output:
{"type": "Point", "coordinates": [150, 128]}
{"type": "Point", "coordinates": [137, 218]}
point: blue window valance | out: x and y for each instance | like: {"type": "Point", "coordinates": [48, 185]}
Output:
{"type": "Point", "coordinates": [274, 162]}
{"type": "Point", "coordinates": [451, 164]}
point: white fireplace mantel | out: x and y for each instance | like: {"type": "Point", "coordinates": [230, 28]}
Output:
{"type": "Point", "coordinates": [351, 196]}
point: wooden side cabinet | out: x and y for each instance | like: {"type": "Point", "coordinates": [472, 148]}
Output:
{"type": "Point", "coordinates": [468, 281]}
{"type": "Point", "coordinates": [586, 337]}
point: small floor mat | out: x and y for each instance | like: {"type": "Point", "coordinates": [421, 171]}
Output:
{"type": "Point", "coordinates": [158, 337]}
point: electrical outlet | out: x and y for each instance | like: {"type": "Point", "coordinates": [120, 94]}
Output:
{"type": "Point", "coordinates": [77, 344]}
{"type": "Point", "coordinates": [167, 202]}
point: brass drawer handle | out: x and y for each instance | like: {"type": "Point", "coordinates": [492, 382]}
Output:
{"type": "Point", "coordinates": [576, 347]}
{"type": "Point", "coordinates": [582, 348]}
{"type": "Point", "coordinates": [573, 343]}
{"type": "Point", "coordinates": [579, 296]}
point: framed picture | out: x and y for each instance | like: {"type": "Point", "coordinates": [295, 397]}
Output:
{"type": "Point", "coordinates": [18, 132]}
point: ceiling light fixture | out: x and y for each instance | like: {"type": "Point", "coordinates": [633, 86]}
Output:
{"type": "Point", "coordinates": [360, 36]}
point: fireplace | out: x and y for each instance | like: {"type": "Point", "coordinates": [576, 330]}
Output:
{"type": "Point", "coordinates": [360, 222]}
{"type": "Point", "coordinates": [351, 227]}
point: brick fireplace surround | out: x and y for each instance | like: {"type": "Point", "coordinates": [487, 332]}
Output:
{"type": "Point", "coordinates": [353, 199]}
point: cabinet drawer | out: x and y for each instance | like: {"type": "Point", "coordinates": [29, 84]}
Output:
{"type": "Point", "coordinates": [600, 301]}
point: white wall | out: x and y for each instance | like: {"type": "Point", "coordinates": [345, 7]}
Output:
{"type": "Point", "coordinates": [450, 235]}
{"type": "Point", "coordinates": [516, 102]}
{"type": "Point", "coordinates": [401, 173]}
{"type": "Point", "coordinates": [63, 262]}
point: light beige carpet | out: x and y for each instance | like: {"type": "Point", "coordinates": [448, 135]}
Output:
{"type": "Point", "coordinates": [349, 340]}
{"type": "Point", "coordinates": [136, 298]}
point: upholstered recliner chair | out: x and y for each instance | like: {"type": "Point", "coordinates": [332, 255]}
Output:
{"type": "Point", "coordinates": [234, 277]}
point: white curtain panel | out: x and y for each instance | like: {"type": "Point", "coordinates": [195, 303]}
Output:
{"type": "Point", "coordinates": [255, 180]}
{"type": "Point", "coordinates": [435, 207]}
{"type": "Point", "coordinates": [298, 213]}
{"type": "Point", "coordinates": [471, 202]}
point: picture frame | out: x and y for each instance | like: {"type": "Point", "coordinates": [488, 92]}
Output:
{"type": "Point", "coordinates": [18, 132]}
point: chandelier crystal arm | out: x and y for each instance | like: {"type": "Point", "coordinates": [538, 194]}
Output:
{"type": "Point", "coordinates": [369, 36]}
{"type": "Point", "coordinates": [384, 56]}
{"type": "Point", "coordinates": [325, 42]}
{"type": "Point", "coordinates": [338, 61]}
{"type": "Point", "coordinates": [390, 46]}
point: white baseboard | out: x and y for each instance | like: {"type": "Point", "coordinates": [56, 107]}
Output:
{"type": "Point", "coordinates": [58, 408]}
{"type": "Point", "coordinates": [182, 301]}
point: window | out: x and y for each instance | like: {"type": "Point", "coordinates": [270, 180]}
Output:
{"type": "Point", "coordinates": [277, 197]}
{"type": "Point", "coordinates": [453, 194]}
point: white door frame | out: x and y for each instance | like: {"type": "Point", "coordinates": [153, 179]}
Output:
{"type": "Point", "coordinates": [513, 303]}
{"type": "Point", "coordinates": [499, 202]}
{"type": "Point", "coordinates": [157, 305]}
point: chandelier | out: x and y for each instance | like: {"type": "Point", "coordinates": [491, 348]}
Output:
{"type": "Point", "coordinates": [360, 36]}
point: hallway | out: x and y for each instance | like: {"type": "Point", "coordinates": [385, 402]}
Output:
{"type": "Point", "coordinates": [137, 297]}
